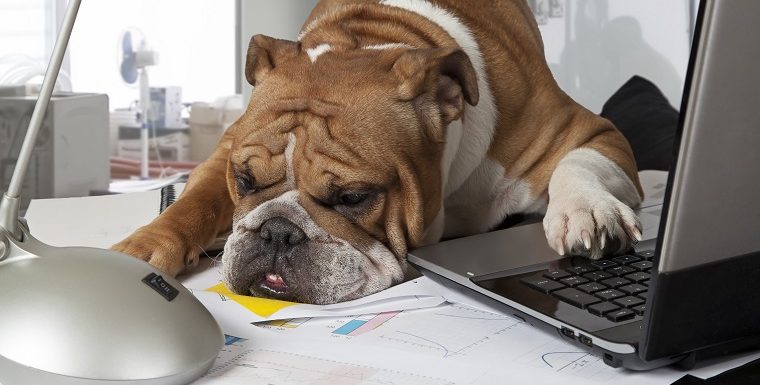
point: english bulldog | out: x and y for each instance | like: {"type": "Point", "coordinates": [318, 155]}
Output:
{"type": "Point", "coordinates": [389, 125]}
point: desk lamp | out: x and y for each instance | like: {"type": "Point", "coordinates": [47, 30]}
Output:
{"type": "Point", "coordinates": [75, 315]}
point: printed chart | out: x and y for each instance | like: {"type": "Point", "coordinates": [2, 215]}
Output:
{"type": "Point", "coordinates": [270, 367]}
{"type": "Point", "coordinates": [448, 331]}
{"type": "Point", "coordinates": [337, 326]}
{"type": "Point", "coordinates": [561, 357]}
{"type": "Point", "coordinates": [364, 323]}
{"type": "Point", "coordinates": [288, 323]}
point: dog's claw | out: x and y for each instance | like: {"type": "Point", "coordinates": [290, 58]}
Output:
{"type": "Point", "coordinates": [586, 239]}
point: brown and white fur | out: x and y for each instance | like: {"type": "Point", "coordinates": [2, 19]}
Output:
{"type": "Point", "coordinates": [441, 115]}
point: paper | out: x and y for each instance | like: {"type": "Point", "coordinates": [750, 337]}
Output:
{"type": "Point", "coordinates": [131, 186]}
{"type": "Point", "coordinates": [99, 221]}
{"type": "Point", "coordinates": [448, 344]}
{"type": "Point", "coordinates": [237, 312]}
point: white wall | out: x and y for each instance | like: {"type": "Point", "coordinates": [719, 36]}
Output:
{"type": "Point", "coordinates": [593, 49]}
{"type": "Point", "coordinates": [599, 44]}
{"type": "Point", "coordinates": [277, 18]}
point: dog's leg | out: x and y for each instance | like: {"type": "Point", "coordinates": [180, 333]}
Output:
{"type": "Point", "coordinates": [173, 241]}
{"type": "Point", "coordinates": [590, 200]}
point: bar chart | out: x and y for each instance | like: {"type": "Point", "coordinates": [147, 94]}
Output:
{"type": "Point", "coordinates": [364, 323]}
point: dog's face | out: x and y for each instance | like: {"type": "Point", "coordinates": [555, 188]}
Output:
{"type": "Point", "coordinates": [335, 169]}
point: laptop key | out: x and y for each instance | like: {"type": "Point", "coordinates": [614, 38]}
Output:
{"type": "Point", "coordinates": [638, 276]}
{"type": "Point", "coordinates": [633, 289]}
{"type": "Point", "coordinates": [544, 285]}
{"type": "Point", "coordinates": [597, 275]}
{"type": "Point", "coordinates": [556, 274]}
{"type": "Point", "coordinates": [626, 259]}
{"type": "Point", "coordinates": [620, 315]}
{"type": "Point", "coordinates": [639, 309]}
{"type": "Point", "coordinates": [576, 297]}
{"type": "Point", "coordinates": [573, 281]}
{"type": "Point", "coordinates": [603, 264]}
{"type": "Point", "coordinates": [578, 270]}
{"type": "Point", "coordinates": [643, 265]}
{"type": "Point", "coordinates": [616, 281]}
{"type": "Point", "coordinates": [620, 270]}
{"type": "Point", "coordinates": [648, 255]}
{"type": "Point", "coordinates": [602, 308]}
{"type": "Point", "coordinates": [609, 294]}
{"type": "Point", "coordinates": [591, 287]}
{"type": "Point", "coordinates": [629, 301]}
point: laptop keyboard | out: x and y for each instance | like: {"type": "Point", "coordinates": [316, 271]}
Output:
{"type": "Point", "coordinates": [614, 288]}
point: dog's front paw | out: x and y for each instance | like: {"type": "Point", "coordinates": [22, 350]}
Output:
{"type": "Point", "coordinates": [160, 246]}
{"type": "Point", "coordinates": [590, 226]}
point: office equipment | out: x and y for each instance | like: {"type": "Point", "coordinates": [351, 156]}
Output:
{"type": "Point", "coordinates": [166, 107]}
{"type": "Point", "coordinates": [165, 144]}
{"type": "Point", "coordinates": [135, 58]}
{"type": "Point", "coordinates": [208, 121]}
{"type": "Point", "coordinates": [71, 157]}
{"type": "Point", "coordinates": [707, 240]}
{"type": "Point", "coordinates": [61, 304]}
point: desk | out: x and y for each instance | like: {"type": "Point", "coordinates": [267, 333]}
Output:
{"type": "Point", "coordinates": [460, 342]}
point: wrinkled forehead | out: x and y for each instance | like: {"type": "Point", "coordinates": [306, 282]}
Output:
{"type": "Point", "coordinates": [344, 78]}
{"type": "Point", "coordinates": [310, 144]}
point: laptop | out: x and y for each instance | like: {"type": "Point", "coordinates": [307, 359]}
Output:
{"type": "Point", "coordinates": [692, 292]}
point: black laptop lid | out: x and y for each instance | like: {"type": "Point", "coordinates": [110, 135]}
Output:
{"type": "Point", "coordinates": [707, 289]}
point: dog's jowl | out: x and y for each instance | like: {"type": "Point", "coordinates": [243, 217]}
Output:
{"type": "Point", "coordinates": [389, 125]}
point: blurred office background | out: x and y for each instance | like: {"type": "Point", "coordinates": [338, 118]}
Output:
{"type": "Point", "coordinates": [197, 85]}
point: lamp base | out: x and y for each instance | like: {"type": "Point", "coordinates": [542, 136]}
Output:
{"type": "Point", "coordinates": [75, 315]}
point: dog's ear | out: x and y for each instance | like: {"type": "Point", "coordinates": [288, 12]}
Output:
{"type": "Point", "coordinates": [264, 54]}
{"type": "Point", "coordinates": [444, 75]}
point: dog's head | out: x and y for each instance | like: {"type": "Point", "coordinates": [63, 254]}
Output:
{"type": "Point", "coordinates": [335, 169]}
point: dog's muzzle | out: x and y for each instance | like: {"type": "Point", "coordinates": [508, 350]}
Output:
{"type": "Point", "coordinates": [279, 236]}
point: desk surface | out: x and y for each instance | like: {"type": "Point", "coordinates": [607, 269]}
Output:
{"type": "Point", "coordinates": [462, 342]}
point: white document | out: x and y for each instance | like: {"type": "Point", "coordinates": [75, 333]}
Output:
{"type": "Point", "coordinates": [448, 344]}
{"type": "Point", "coordinates": [98, 221]}
{"type": "Point", "coordinates": [131, 186]}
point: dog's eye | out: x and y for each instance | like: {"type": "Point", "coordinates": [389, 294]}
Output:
{"type": "Point", "coordinates": [244, 184]}
{"type": "Point", "coordinates": [352, 199]}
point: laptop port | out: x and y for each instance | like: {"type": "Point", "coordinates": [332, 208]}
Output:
{"type": "Point", "coordinates": [585, 340]}
{"type": "Point", "coordinates": [567, 332]}
{"type": "Point", "coordinates": [611, 361]}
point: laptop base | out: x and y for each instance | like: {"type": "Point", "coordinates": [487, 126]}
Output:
{"type": "Point", "coordinates": [629, 361]}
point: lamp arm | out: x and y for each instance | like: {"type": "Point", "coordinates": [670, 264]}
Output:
{"type": "Point", "coordinates": [10, 204]}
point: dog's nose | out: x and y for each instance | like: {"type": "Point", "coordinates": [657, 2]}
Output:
{"type": "Point", "coordinates": [282, 232]}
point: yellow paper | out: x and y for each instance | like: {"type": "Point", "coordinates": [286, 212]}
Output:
{"type": "Point", "coordinates": [263, 307]}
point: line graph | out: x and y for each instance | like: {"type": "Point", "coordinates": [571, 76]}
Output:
{"type": "Point", "coordinates": [271, 367]}
{"type": "Point", "coordinates": [465, 331]}
{"type": "Point", "coordinates": [559, 356]}
{"type": "Point", "coordinates": [548, 359]}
